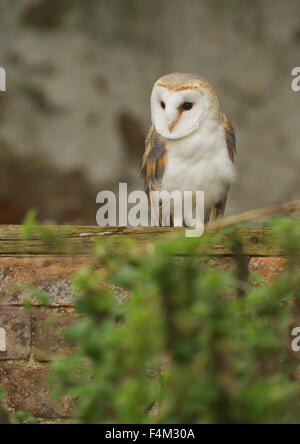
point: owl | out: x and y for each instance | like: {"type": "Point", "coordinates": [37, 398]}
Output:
{"type": "Point", "coordinates": [191, 144]}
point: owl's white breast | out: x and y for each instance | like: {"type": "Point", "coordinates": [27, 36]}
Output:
{"type": "Point", "coordinates": [200, 162]}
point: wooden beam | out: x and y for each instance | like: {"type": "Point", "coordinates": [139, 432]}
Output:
{"type": "Point", "coordinates": [256, 241]}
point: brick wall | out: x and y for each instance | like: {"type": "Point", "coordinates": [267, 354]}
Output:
{"type": "Point", "coordinates": [29, 338]}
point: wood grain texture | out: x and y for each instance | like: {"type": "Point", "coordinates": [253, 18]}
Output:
{"type": "Point", "coordinates": [256, 241]}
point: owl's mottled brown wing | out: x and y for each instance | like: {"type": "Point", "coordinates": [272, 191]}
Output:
{"type": "Point", "coordinates": [230, 139]}
{"type": "Point", "coordinates": [219, 209]}
{"type": "Point", "coordinates": [154, 161]}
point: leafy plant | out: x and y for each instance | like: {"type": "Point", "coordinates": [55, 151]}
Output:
{"type": "Point", "coordinates": [190, 344]}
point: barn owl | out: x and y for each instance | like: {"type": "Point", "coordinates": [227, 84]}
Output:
{"type": "Point", "coordinates": [191, 144]}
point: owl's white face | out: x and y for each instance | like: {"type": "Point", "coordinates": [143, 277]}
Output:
{"type": "Point", "coordinates": [177, 114]}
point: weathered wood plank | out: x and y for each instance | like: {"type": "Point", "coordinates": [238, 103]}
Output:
{"type": "Point", "coordinates": [256, 241]}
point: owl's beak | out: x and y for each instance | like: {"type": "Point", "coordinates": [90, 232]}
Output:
{"type": "Point", "coordinates": [172, 125]}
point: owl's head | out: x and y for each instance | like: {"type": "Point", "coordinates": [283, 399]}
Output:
{"type": "Point", "coordinates": [180, 103]}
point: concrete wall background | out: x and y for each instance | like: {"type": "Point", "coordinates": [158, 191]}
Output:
{"type": "Point", "coordinates": [79, 77]}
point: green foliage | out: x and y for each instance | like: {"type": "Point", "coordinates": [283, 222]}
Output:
{"type": "Point", "coordinates": [190, 344]}
{"type": "Point", "coordinates": [21, 417]}
{"type": "Point", "coordinates": [2, 393]}
{"type": "Point", "coordinates": [46, 234]}
{"type": "Point", "coordinates": [31, 227]}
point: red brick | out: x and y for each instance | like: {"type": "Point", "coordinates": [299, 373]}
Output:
{"type": "Point", "coordinates": [50, 274]}
{"type": "Point", "coordinates": [269, 267]}
{"type": "Point", "coordinates": [17, 325]}
{"type": "Point", "coordinates": [225, 263]}
{"type": "Point", "coordinates": [47, 340]}
{"type": "Point", "coordinates": [27, 390]}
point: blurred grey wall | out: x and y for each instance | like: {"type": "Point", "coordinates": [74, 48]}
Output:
{"type": "Point", "coordinates": [79, 78]}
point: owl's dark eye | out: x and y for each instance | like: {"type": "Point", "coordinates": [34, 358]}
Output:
{"type": "Point", "coordinates": [186, 106]}
{"type": "Point", "coordinates": [163, 105]}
